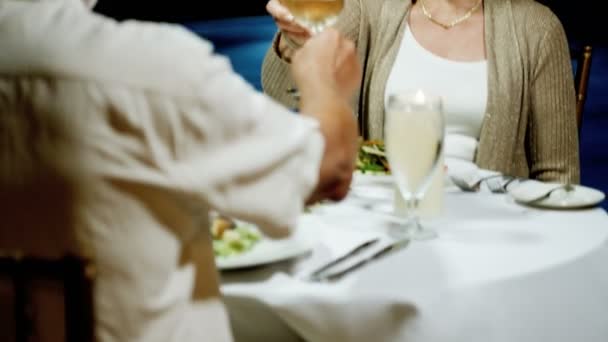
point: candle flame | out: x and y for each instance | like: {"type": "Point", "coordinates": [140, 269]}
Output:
{"type": "Point", "coordinates": [419, 97]}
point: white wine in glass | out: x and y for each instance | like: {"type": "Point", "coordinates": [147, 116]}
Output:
{"type": "Point", "coordinates": [414, 129]}
{"type": "Point", "coordinates": [316, 15]}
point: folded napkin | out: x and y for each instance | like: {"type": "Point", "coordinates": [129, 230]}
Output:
{"type": "Point", "coordinates": [458, 146]}
{"type": "Point", "coordinates": [461, 167]}
{"type": "Point", "coordinates": [316, 311]}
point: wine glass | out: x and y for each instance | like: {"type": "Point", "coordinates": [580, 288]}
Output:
{"type": "Point", "coordinates": [315, 15]}
{"type": "Point", "coordinates": [414, 129]}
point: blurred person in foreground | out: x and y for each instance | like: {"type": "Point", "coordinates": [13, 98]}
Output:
{"type": "Point", "coordinates": [118, 138]}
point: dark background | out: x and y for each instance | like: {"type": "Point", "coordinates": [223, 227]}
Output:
{"type": "Point", "coordinates": [582, 19]}
{"type": "Point", "coordinates": [181, 10]}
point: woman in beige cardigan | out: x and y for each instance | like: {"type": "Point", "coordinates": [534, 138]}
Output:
{"type": "Point", "coordinates": [524, 123]}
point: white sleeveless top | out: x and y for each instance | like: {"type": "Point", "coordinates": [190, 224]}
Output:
{"type": "Point", "coordinates": [462, 85]}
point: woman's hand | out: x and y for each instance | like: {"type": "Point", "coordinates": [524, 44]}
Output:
{"type": "Point", "coordinates": [285, 22]}
{"type": "Point", "coordinates": [327, 72]}
{"type": "Point", "coordinates": [327, 62]}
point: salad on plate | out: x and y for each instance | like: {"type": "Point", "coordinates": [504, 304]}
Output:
{"type": "Point", "coordinates": [232, 238]}
{"type": "Point", "coordinates": [371, 159]}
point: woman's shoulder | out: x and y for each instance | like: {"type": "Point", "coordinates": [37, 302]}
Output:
{"type": "Point", "coordinates": [379, 12]}
{"type": "Point", "coordinates": [533, 15]}
{"type": "Point", "coordinates": [374, 7]}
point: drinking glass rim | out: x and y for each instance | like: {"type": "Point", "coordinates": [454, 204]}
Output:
{"type": "Point", "coordinates": [416, 95]}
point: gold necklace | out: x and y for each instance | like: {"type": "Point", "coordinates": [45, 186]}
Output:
{"type": "Point", "coordinates": [453, 22]}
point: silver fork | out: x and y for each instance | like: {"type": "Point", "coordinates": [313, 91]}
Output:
{"type": "Point", "coordinates": [499, 186]}
{"type": "Point", "coordinates": [463, 185]}
{"type": "Point", "coordinates": [568, 187]}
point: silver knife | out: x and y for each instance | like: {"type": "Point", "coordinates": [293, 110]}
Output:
{"type": "Point", "coordinates": [390, 248]}
{"type": "Point", "coordinates": [316, 275]}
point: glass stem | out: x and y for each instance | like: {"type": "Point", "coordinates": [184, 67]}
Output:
{"type": "Point", "coordinates": [412, 210]}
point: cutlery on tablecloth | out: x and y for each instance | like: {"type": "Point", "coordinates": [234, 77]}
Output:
{"type": "Point", "coordinates": [497, 183]}
{"type": "Point", "coordinates": [316, 274]}
{"type": "Point", "coordinates": [389, 248]}
{"type": "Point", "coordinates": [501, 186]}
{"type": "Point", "coordinates": [468, 186]}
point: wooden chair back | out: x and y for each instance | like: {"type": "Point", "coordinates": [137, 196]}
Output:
{"type": "Point", "coordinates": [582, 57]}
{"type": "Point", "coordinates": [51, 299]}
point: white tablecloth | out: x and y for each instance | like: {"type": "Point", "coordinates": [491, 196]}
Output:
{"type": "Point", "coordinates": [498, 272]}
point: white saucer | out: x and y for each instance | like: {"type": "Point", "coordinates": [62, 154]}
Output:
{"type": "Point", "coordinates": [580, 197]}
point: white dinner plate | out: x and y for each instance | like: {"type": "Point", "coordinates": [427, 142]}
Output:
{"type": "Point", "coordinates": [580, 197]}
{"type": "Point", "coordinates": [455, 167]}
{"type": "Point", "coordinates": [268, 251]}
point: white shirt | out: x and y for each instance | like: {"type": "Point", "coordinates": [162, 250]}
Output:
{"type": "Point", "coordinates": [160, 130]}
{"type": "Point", "coordinates": [463, 87]}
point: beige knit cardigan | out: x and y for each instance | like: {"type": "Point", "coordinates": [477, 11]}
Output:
{"type": "Point", "coordinates": [529, 128]}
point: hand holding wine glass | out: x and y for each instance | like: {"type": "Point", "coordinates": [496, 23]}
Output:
{"type": "Point", "coordinates": [315, 15]}
{"type": "Point", "coordinates": [327, 71]}
{"type": "Point", "coordinates": [298, 20]}
{"type": "Point", "coordinates": [295, 32]}
{"type": "Point", "coordinates": [328, 62]}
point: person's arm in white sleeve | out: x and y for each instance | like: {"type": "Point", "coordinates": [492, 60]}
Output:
{"type": "Point", "coordinates": [275, 163]}
{"type": "Point", "coordinates": [203, 129]}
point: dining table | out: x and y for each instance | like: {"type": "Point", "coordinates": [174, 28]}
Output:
{"type": "Point", "coordinates": [498, 271]}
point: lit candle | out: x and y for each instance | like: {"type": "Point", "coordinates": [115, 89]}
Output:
{"type": "Point", "coordinates": [419, 98]}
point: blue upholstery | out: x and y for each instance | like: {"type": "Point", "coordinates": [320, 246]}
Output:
{"type": "Point", "coordinates": [245, 40]}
